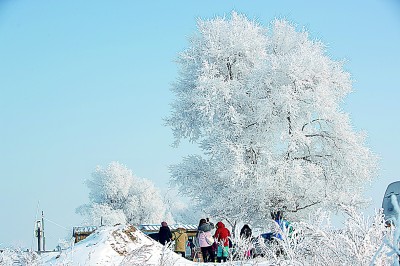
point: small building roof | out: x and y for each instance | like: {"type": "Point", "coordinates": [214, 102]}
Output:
{"type": "Point", "coordinates": [156, 227]}
{"type": "Point", "coordinates": [83, 230]}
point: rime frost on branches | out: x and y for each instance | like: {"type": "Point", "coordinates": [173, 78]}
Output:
{"type": "Point", "coordinates": [117, 196]}
{"type": "Point", "coordinates": [355, 244]}
{"type": "Point", "coordinates": [264, 106]}
{"type": "Point", "coordinates": [392, 239]}
{"type": "Point", "coordinates": [18, 256]}
{"type": "Point", "coordinates": [316, 242]}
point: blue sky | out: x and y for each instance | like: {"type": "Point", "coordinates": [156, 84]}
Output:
{"type": "Point", "coordinates": [84, 83]}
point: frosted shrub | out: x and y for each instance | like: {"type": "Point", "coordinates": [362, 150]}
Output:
{"type": "Point", "coordinates": [391, 239]}
{"type": "Point", "coordinates": [241, 248]}
{"type": "Point", "coordinates": [9, 257]}
{"type": "Point", "coordinates": [317, 243]}
{"type": "Point", "coordinates": [361, 241]}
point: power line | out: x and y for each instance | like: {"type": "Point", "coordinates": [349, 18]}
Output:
{"type": "Point", "coordinates": [56, 224]}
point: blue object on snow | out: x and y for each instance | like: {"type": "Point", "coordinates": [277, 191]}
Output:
{"type": "Point", "coordinates": [388, 208]}
{"type": "Point", "coordinates": [267, 236]}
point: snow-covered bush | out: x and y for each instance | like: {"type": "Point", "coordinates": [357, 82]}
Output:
{"type": "Point", "coordinates": [9, 257]}
{"type": "Point", "coordinates": [392, 240]}
{"type": "Point", "coordinates": [315, 242]}
{"type": "Point", "coordinates": [117, 196]}
{"type": "Point", "coordinates": [355, 244]}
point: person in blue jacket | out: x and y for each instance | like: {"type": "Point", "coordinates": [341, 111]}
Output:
{"type": "Point", "coordinates": [283, 224]}
{"type": "Point", "coordinates": [285, 228]}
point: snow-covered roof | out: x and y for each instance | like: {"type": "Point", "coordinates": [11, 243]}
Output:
{"type": "Point", "coordinates": [156, 227]}
{"type": "Point", "coordinates": [83, 229]}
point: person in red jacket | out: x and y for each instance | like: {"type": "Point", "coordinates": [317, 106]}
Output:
{"type": "Point", "coordinates": [222, 235]}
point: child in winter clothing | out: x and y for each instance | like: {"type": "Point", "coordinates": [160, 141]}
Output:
{"type": "Point", "coordinates": [245, 232]}
{"type": "Point", "coordinates": [245, 235]}
{"type": "Point", "coordinates": [222, 235]}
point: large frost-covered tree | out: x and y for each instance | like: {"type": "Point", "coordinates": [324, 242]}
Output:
{"type": "Point", "coordinates": [117, 196]}
{"type": "Point", "coordinates": [263, 104]}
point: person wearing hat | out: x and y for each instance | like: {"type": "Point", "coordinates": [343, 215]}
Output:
{"type": "Point", "coordinates": [180, 238]}
{"type": "Point", "coordinates": [222, 235]}
{"type": "Point", "coordinates": [164, 234]}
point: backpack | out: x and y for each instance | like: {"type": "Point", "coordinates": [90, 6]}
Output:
{"type": "Point", "coordinates": [209, 239]}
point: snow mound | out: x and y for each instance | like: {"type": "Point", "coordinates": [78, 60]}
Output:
{"type": "Point", "coordinates": [116, 245]}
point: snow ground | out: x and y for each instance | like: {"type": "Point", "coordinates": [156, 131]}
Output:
{"type": "Point", "coordinates": [122, 245]}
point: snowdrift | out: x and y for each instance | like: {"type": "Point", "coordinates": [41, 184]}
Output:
{"type": "Point", "coordinates": [116, 245]}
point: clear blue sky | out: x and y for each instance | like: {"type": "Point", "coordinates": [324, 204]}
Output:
{"type": "Point", "coordinates": [83, 83]}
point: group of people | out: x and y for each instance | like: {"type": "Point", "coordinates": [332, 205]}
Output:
{"type": "Point", "coordinates": [213, 245]}
{"type": "Point", "coordinates": [179, 236]}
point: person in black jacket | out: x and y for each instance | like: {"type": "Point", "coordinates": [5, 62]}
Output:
{"type": "Point", "coordinates": [164, 234]}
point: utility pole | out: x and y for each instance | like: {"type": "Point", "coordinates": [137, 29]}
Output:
{"type": "Point", "coordinates": [38, 233]}
{"type": "Point", "coordinates": [44, 239]}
